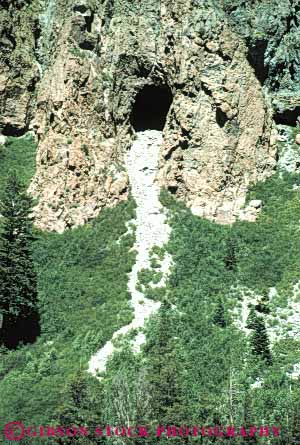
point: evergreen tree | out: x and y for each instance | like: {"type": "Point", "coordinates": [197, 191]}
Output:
{"type": "Point", "coordinates": [259, 339]}
{"type": "Point", "coordinates": [18, 281]}
{"type": "Point", "coordinates": [294, 426]}
{"type": "Point", "coordinates": [230, 258]}
{"type": "Point", "coordinates": [82, 405]}
{"type": "Point", "coordinates": [219, 315]}
{"type": "Point", "coordinates": [163, 371]}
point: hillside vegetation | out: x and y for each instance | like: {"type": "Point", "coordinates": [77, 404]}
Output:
{"type": "Point", "coordinates": [83, 299]}
{"type": "Point", "coordinates": [197, 366]}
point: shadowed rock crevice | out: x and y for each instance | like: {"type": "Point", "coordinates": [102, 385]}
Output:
{"type": "Point", "coordinates": [151, 107]}
{"type": "Point", "coordinates": [256, 58]}
{"type": "Point", "coordinates": [87, 45]}
{"type": "Point", "coordinates": [221, 117]}
{"type": "Point", "coordinates": [287, 117]}
{"type": "Point", "coordinates": [10, 130]}
{"type": "Point", "coordinates": [7, 42]}
{"type": "Point", "coordinates": [81, 8]}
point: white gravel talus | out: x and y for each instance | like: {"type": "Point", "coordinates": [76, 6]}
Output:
{"type": "Point", "coordinates": [151, 230]}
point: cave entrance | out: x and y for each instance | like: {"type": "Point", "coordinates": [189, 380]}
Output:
{"type": "Point", "coordinates": [151, 107]}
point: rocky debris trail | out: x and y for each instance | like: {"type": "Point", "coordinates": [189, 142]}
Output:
{"type": "Point", "coordinates": [151, 230]}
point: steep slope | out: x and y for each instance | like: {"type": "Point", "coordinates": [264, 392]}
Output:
{"type": "Point", "coordinates": [151, 230]}
{"type": "Point", "coordinates": [214, 87]}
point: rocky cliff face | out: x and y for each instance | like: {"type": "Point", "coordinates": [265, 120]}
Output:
{"type": "Point", "coordinates": [19, 73]}
{"type": "Point", "coordinates": [83, 64]}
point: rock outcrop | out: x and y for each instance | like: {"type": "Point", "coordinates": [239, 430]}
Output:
{"type": "Point", "coordinates": [94, 58]}
{"type": "Point", "coordinates": [19, 71]}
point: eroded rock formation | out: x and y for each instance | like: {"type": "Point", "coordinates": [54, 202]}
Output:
{"type": "Point", "coordinates": [19, 72]}
{"type": "Point", "coordinates": [94, 58]}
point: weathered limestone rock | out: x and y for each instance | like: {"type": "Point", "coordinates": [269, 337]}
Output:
{"type": "Point", "coordinates": [78, 170]}
{"type": "Point", "coordinates": [19, 71]}
{"type": "Point", "coordinates": [218, 131]}
{"type": "Point", "coordinates": [222, 139]}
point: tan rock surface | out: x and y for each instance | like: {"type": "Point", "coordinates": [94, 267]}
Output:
{"type": "Point", "coordinates": [218, 130]}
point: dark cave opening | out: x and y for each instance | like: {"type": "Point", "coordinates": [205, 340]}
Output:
{"type": "Point", "coordinates": [20, 331]}
{"type": "Point", "coordinates": [151, 107]}
{"type": "Point", "coordinates": [173, 189]}
{"type": "Point", "coordinates": [288, 117]}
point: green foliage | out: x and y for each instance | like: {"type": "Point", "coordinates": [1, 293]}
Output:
{"type": "Point", "coordinates": [163, 370]}
{"type": "Point", "coordinates": [81, 407]}
{"type": "Point", "coordinates": [83, 300]}
{"type": "Point", "coordinates": [269, 250]}
{"type": "Point", "coordinates": [198, 248]}
{"type": "Point", "coordinates": [77, 269]}
{"type": "Point", "coordinates": [219, 317]}
{"type": "Point", "coordinates": [18, 282]}
{"type": "Point", "coordinates": [149, 276]}
{"type": "Point", "coordinates": [210, 258]}
{"type": "Point", "coordinates": [231, 253]}
{"type": "Point", "coordinates": [18, 154]}
{"type": "Point", "coordinates": [211, 263]}
{"type": "Point", "coordinates": [196, 366]}
{"type": "Point", "coordinates": [259, 339]}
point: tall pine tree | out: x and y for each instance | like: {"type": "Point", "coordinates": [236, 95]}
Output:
{"type": "Point", "coordinates": [163, 371]}
{"type": "Point", "coordinates": [219, 317]}
{"type": "Point", "coordinates": [259, 339]}
{"type": "Point", "coordinates": [18, 280]}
